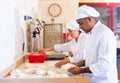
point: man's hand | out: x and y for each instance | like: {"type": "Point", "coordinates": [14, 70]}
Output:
{"type": "Point", "coordinates": [75, 70]}
{"type": "Point", "coordinates": [78, 70]}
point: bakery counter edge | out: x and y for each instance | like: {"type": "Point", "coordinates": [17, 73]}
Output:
{"type": "Point", "coordinates": [21, 60]}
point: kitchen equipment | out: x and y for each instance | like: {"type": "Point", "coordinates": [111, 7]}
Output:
{"type": "Point", "coordinates": [54, 56]}
{"type": "Point", "coordinates": [52, 34]}
{"type": "Point", "coordinates": [36, 42]}
{"type": "Point", "coordinates": [33, 33]}
{"type": "Point", "coordinates": [36, 57]}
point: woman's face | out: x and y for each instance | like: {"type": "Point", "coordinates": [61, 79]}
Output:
{"type": "Point", "coordinates": [74, 33]}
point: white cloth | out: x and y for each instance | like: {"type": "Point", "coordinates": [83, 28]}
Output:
{"type": "Point", "coordinates": [73, 25]}
{"type": "Point", "coordinates": [100, 49]}
{"type": "Point", "coordinates": [86, 11]}
{"type": "Point", "coordinates": [77, 48]}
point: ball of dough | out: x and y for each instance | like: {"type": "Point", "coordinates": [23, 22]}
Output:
{"type": "Point", "coordinates": [41, 71]}
{"type": "Point", "coordinates": [30, 70]}
{"type": "Point", "coordinates": [67, 66]}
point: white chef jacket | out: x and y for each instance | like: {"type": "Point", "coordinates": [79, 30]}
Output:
{"type": "Point", "coordinates": [100, 50]}
{"type": "Point", "coordinates": [76, 47]}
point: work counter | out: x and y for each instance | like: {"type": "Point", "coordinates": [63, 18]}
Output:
{"type": "Point", "coordinates": [21, 62]}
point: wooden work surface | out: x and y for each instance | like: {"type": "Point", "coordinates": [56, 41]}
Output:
{"type": "Point", "coordinates": [72, 79]}
{"type": "Point", "coordinates": [47, 80]}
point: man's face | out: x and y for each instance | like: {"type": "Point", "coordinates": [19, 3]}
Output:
{"type": "Point", "coordinates": [85, 24]}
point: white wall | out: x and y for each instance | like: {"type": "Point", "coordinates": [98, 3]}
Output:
{"type": "Point", "coordinates": [68, 9]}
{"type": "Point", "coordinates": [12, 29]}
{"type": "Point", "coordinates": [19, 26]}
{"type": "Point", "coordinates": [31, 8]}
{"type": "Point", "coordinates": [11, 37]}
{"type": "Point", "coordinates": [7, 32]}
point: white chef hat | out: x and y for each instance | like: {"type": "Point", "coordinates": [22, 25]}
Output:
{"type": "Point", "coordinates": [73, 25]}
{"type": "Point", "coordinates": [86, 11]}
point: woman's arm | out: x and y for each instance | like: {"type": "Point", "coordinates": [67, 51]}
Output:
{"type": "Point", "coordinates": [47, 49]}
{"type": "Point", "coordinates": [62, 62]}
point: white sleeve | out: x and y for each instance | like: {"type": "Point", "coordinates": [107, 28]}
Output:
{"type": "Point", "coordinates": [106, 55]}
{"type": "Point", "coordinates": [73, 60]}
{"type": "Point", "coordinates": [76, 58]}
{"type": "Point", "coordinates": [62, 47]}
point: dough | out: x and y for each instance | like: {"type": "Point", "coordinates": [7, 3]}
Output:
{"type": "Point", "coordinates": [67, 66]}
{"type": "Point", "coordinates": [41, 71]}
{"type": "Point", "coordinates": [30, 70]}
{"type": "Point", "coordinates": [51, 72]}
{"type": "Point", "coordinates": [17, 73]}
{"type": "Point", "coordinates": [28, 65]}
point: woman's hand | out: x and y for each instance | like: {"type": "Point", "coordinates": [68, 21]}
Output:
{"type": "Point", "coordinates": [62, 62]}
{"type": "Point", "coordinates": [46, 49]}
{"type": "Point", "coordinates": [42, 49]}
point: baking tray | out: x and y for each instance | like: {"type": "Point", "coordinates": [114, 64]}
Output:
{"type": "Point", "coordinates": [55, 56]}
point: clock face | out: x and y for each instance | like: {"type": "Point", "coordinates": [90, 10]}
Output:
{"type": "Point", "coordinates": [54, 10]}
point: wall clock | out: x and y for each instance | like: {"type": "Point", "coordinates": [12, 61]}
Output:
{"type": "Point", "coordinates": [54, 10]}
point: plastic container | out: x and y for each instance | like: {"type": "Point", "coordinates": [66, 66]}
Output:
{"type": "Point", "coordinates": [36, 57]}
{"type": "Point", "coordinates": [65, 35]}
